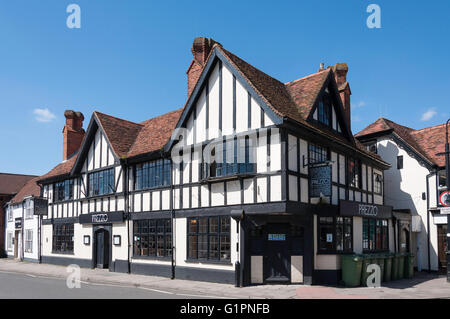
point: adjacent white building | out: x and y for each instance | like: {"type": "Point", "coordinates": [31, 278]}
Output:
{"type": "Point", "coordinates": [22, 226]}
{"type": "Point", "coordinates": [414, 184]}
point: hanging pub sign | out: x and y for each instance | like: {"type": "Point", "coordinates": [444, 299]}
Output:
{"type": "Point", "coordinates": [18, 223]}
{"type": "Point", "coordinates": [348, 208]}
{"type": "Point", "coordinates": [101, 218]}
{"type": "Point", "coordinates": [40, 206]}
{"type": "Point", "coordinates": [320, 180]}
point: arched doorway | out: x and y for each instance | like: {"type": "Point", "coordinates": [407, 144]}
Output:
{"type": "Point", "coordinates": [101, 248]}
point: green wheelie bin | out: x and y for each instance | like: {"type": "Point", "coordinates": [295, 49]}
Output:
{"type": "Point", "coordinates": [409, 265]}
{"type": "Point", "coordinates": [394, 269]}
{"type": "Point", "coordinates": [351, 269]}
{"type": "Point", "coordinates": [401, 266]}
{"type": "Point", "coordinates": [388, 267]}
{"type": "Point", "coordinates": [368, 259]}
{"type": "Point", "coordinates": [380, 262]}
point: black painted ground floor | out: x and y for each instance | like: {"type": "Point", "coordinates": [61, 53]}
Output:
{"type": "Point", "coordinates": [299, 244]}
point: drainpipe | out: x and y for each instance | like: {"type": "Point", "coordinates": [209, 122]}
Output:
{"type": "Point", "coordinates": [126, 199]}
{"type": "Point", "coordinates": [23, 225]}
{"type": "Point", "coordinates": [172, 218]}
{"type": "Point", "coordinates": [428, 221]}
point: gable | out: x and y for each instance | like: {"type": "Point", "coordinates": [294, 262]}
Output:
{"type": "Point", "coordinates": [329, 95]}
{"type": "Point", "coordinates": [96, 150]}
{"type": "Point", "coordinates": [223, 102]}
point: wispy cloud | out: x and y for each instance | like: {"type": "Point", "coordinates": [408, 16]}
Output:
{"type": "Point", "coordinates": [428, 115]}
{"type": "Point", "coordinates": [359, 104]}
{"type": "Point", "coordinates": [44, 115]}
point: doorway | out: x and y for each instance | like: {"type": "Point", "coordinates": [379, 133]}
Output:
{"type": "Point", "coordinates": [442, 247]}
{"type": "Point", "coordinates": [101, 248]}
{"type": "Point", "coordinates": [277, 258]}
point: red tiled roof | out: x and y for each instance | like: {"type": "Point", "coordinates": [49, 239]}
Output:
{"type": "Point", "coordinates": [31, 188]}
{"type": "Point", "coordinates": [61, 169]}
{"type": "Point", "coordinates": [304, 91]}
{"type": "Point", "coordinates": [294, 100]}
{"type": "Point", "coordinates": [427, 142]}
{"type": "Point", "coordinates": [120, 133]}
{"type": "Point", "coordinates": [10, 184]}
{"type": "Point", "coordinates": [155, 133]}
{"type": "Point", "coordinates": [431, 141]}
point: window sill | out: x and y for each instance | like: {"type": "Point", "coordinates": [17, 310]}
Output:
{"type": "Point", "coordinates": [154, 258]}
{"type": "Point", "coordinates": [335, 252]}
{"type": "Point", "coordinates": [208, 261]}
{"type": "Point", "coordinates": [376, 251]}
{"type": "Point", "coordinates": [63, 253]}
{"type": "Point", "coordinates": [227, 177]}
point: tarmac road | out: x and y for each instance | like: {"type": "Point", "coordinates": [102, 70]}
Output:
{"type": "Point", "coordinates": [23, 286]}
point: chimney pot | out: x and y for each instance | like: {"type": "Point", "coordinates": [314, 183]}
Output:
{"type": "Point", "coordinates": [201, 48]}
{"type": "Point", "coordinates": [340, 74]}
{"type": "Point", "coordinates": [322, 66]}
{"type": "Point", "coordinates": [73, 133]}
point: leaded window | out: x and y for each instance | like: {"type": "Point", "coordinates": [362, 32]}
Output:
{"type": "Point", "coordinates": [209, 238]}
{"type": "Point", "coordinates": [153, 174]}
{"type": "Point", "coordinates": [63, 190]}
{"type": "Point", "coordinates": [335, 234]}
{"type": "Point", "coordinates": [375, 234]}
{"type": "Point", "coordinates": [152, 238]}
{"type": "Point", "coordinates": [63, 238]}
{"type": "Point", "coordinates": [231, 157]}
{"type": "Point", "coordinates": [317, 154]}
{"type": "Point", "coordinates": [101, 182]}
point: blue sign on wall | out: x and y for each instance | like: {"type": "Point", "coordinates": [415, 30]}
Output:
{"type": "Point", "coordinates": [277, 237]}
{"type": "Point", "coordinates": [320, 180]}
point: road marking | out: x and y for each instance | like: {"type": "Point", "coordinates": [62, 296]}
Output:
{"type": "Point", "coordinates": [156, 290]}
{"type": "Point", "coordinates": [120, 286]}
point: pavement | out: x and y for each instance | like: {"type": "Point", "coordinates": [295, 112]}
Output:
{"type": "Point", "coordinates": [422, 286]}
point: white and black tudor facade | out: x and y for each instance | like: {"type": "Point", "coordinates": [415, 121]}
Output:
{"type": "Point", "coordinates": [253, 180]}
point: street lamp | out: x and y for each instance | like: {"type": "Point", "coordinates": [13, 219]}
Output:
{"type": "Point", "coordinates": [447, 179]}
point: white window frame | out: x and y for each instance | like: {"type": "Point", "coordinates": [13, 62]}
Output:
{"type": "Point", "coordinates": [28, 241]}
{"type": "Point", "coordinates": [28, 208]}
{"type": "Point", "coordinates": [9, 213]}
{"type": "Point", "coordinates": [9, 241]}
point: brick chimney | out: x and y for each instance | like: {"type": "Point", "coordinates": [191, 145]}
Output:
{"type": "Point", "coordinates": [73, 133]}
{"type": "Point", "coordinates": [200, 50]}
{"type": "Point", "coordinates": [340, 74]}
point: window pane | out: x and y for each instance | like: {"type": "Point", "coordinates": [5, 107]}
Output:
{"type": "Point", "coordinates": [225, 247]}
{"type": "Point", "coordinates": [203, 246]}
{"type": "Point", "coordinates": [213, 247]}
{"type": "Point", "coordinates": [214, 225]}
{"type": "Point", "coordinates": [192, 246]}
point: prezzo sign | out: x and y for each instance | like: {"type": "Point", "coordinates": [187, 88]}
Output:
{"type": "Point", "coordinates": [101, 218]}
{"type": "Point", "coordinates": [348, 208]}
{"type": "Point", "coordinates": [368, 210]}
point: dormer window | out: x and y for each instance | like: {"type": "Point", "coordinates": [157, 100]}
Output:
{"type": "Point", "coordinates": [324, 110]}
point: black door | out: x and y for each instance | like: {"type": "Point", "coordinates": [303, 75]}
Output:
{"type": "Point", "coordinates": [277, 259]}
{"type": "Point", "coordinates": [102, 248]}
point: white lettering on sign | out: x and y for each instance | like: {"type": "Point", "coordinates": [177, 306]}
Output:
{"type": "Point", "coordinates": [100, 218]}
{"type": "Point", "coordinates": [368, 210]}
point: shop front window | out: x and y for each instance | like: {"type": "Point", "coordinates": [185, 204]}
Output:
{"type": "Point", "coordinates": [375, 234]}
{"type": "Point", "coordinates": [209, 238]}
{"type": "Point", "coordinates": [335, 234]}
{"type": "Point", "coordinates": [63, 238]}
{"type": "Point", "coordinates": [152, 238]}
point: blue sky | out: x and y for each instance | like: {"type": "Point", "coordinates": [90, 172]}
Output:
{"type": "Point", "coordinates": [130, 57]}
